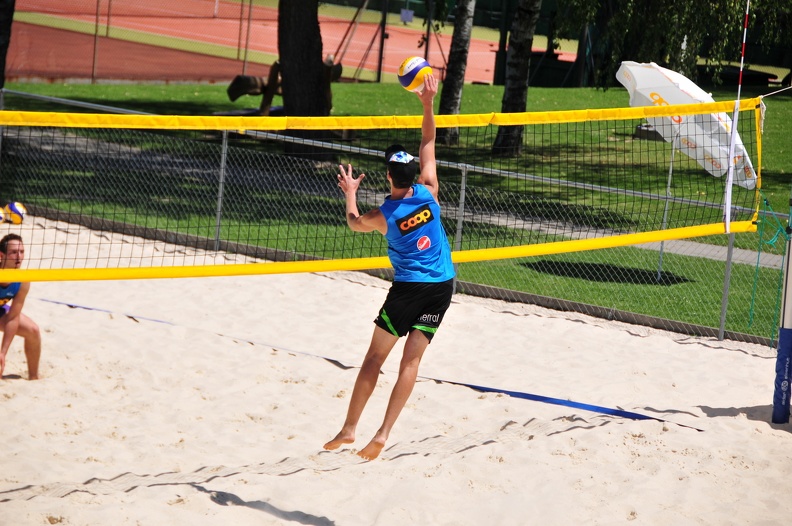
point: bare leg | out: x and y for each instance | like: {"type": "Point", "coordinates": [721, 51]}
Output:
{"type": "Point", "coordinates": [32, 335]}
{"type": "Point", "coordinates": [381, 344]}
{"type": "Point", "coordinates": [408, 372]}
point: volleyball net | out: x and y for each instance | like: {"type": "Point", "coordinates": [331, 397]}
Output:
{"type": "Point", "coordinates": [150, 196]}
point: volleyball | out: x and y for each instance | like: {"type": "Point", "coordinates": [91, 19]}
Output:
{"type": "Point", "coordinates": [412, 72]}
{"type": "Point", "coordinates": [15, 212]}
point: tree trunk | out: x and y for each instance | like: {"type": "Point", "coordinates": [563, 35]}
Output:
{"type": "Point", "coordinates": [6, 16]}
{"type": "Point", "coordinates": [300, 50]}
{"type": "Point", "coordinates": [304, 82]}
{"type": "Point", "coordinates": [451, 95]}
{"type": "Point", "coordinates": [508, 141]}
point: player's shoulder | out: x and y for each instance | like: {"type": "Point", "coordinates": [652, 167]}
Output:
{"type": "Point", "coordinates": [430, 186]}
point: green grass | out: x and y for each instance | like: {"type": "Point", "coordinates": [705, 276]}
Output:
{"type": "Point", "coordinates": [685, 292]}
{"type": "Point", "coordinates": [360, 99]}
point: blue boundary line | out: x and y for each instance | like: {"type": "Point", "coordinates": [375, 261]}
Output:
{"type": "Point", "coordinates": [621, 413]}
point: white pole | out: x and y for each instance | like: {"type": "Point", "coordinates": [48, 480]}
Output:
{"type": "Point", "coordinates": [735, 116]}
{"type": "Point", "coordinates": [727, 197]}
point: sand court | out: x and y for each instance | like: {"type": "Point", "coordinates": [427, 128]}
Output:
{"type": "Point", "coordinates": [207, 401]}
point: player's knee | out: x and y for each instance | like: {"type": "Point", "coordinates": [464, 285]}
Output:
{"type": "Point", "coordinates": [32, 331]}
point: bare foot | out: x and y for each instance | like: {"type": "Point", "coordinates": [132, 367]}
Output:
{"type": "Point", "coordinates": [372, 450]}
{"type": "Point", "coordinates": [339, 441]}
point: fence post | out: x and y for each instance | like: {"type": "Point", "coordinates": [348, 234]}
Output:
{"type": "Point", "coordinates": [784, 356]}
{"type": "Point", "coordinates": [96, 42]}
{"type": "Point", "coordinates": [429, 15]}
{"type": "Point", "coordinates": [460, 213]}
{"type": "Point", "coordinates": [247, 38]}
{"type": "Point", "coordinates": [382, 35]}
{"type": "Point", "coordinates": [107, 22]}
{"type": "Point", "coordinates": [665, 208]}
{"type": "Point", "coordinates": [219, 215]}
{"type": "Point", "coordinates": [241, 21]}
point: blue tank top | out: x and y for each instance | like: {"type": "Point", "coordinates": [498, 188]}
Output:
{"type": "Point", "coordinates": [417, 244]}
{"type": "Point", "coordinates": [6, 295]}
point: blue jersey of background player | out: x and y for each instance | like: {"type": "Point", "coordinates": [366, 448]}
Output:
{"type": "Point", "coordinates": [424, 274]}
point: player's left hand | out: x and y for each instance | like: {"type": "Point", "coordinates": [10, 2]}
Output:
{"type": "Point", "coordinates": [346, 181]}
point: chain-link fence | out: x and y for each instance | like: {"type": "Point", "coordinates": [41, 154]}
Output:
{"type": "Point", "coordinates": [273, 195]}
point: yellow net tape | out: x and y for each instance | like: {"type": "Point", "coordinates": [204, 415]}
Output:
{"type": "Point", "coordinates": [331, 265]}
{"type": "Point", "coordinates": [177, 122]}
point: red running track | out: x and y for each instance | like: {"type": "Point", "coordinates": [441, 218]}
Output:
{"type": "Point", "coordinates": [31, 53]}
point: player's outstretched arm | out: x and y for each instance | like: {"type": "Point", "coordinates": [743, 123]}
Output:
{"type": "Point", "coordinates": [368, 222]}
{"type": "Point", "coordinates": [426, 152]}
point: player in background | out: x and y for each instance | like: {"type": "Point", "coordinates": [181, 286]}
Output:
{"type": "Point", "coordinates": [12, 299]}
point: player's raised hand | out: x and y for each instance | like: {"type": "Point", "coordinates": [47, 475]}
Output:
{"type": "Point", "coordinates": [347, 181]}
{"type": "Point", "coordinates": [427, 95]}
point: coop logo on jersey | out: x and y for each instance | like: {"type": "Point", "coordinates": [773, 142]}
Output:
{"type": "Point", "coordinates": [415, 220]}
{"type": "Point", "coordinates": [424, 243]}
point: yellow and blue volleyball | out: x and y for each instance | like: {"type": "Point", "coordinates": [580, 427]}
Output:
{"type": "Point", "coordinates": [15, 212]}
{"type": "Point", "coordinates": [412, 72]}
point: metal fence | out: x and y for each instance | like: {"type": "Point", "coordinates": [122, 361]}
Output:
{"type": "Point", "coordinates": [253, 194]}
{"type": "Point", "coordinates": [215, 40]}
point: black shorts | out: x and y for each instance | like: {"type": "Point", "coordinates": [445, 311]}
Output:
{"type": "Point", "coordinates": [412, 306]}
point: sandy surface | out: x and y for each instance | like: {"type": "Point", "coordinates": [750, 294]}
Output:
{"type": "Point", "coordinates": [207, 401]}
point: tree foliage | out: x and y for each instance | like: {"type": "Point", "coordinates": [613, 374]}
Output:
{"type": "Point", "coordinates": [439, 12]}
{"type": "Point", "coordinates": [673, 34]}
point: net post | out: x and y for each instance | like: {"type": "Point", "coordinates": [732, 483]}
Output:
{"type": "Point", "coordinates": [784, 356]}
{"type": "Point", "coordinates": [726, 285]}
